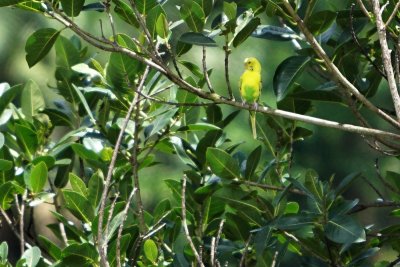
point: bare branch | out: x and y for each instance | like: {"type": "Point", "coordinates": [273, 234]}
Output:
{"type": "Point", "coordinates": [227, 53]}
{"type": "Point", "coordinates": [363, 9]}
{"type": "Point", "coordinates": [246, 247]}
{"type": "Point", "coordinates": [386, 58]}
{"type": "Point", "coordinates": [391, 17]}
{"type": "Point", "coordinates": [378, 204]}
{"type": "Point", "coordinates": [184, 223]}
{"type": "Point", "coordinates": [121, 227]}
{"type": "Point", "coordinates": [205, 72]}
{"type": "Point", "coordinates": [337, 75]}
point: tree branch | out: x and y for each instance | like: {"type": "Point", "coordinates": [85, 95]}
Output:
{"type": "Point", "coordinates": [387, 62]}
{"type": "Point", "coordinates": [337, 75]}
{"type": "Point", "coordinates": [391, 17]}
{"type": "Point", "coordinates": [205, 73]}
{"type": "Point", "coordinates": [184, 223]}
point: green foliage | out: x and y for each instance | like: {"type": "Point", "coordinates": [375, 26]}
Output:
{"type": "Point", "coordinates": [245, 202]}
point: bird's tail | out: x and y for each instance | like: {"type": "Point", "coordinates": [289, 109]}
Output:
{"type": "Point", "coordinates": [253, 123]}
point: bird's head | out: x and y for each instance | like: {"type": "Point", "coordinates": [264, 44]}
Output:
{"type": "Point", "coordinates": [251, 63]}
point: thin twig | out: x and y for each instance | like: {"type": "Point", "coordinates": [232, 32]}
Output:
{"type": "Point", "coordinates": [304, 246]}
{"type": "Point", "coordinates": [246, 247]}
{"type": "Point", "coordinates": [227, 53]}
{"type": "Point", "coordinates": [338, 76]}
{"type": "Point", "coordinates": [366, 180]}
{"type": "Point", "coordinates": [394, 12]}
{"type": "Point", "coordinates": [273, 187]}
{"type": "Point", "coordinates": [107, 4]}
{"type": "Point", "coordinates": [184, 223]}
{"type": "Point", "coordinates": [363, 51]}
{"type": "Point", "coordinates": [363, 8]}
{"type": "Point", "coordinates": [205, 72]}
{"type": "Point", "coordinates": [57, 207]}
{"type": "Point", "coordinates": [135, 153]}
{"type": "Point", "coordinates": [214, 244]}
{"type": "Point", "coordinates": [378, 204]}
{"type": "Point", "coordinates": [276, 254]}
{"type": "Point", "coordinates": [110, 217]}
{"type": "Point", "coordinates": [121, 227]}
{"type": "Point", "coordinates": [387, 62]}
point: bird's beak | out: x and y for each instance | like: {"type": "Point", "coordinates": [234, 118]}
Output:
{"type": "Point", "coordinates": [245, 60]}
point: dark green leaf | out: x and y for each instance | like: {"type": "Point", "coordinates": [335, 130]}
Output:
{"type": "Point", "coordinates": [95, 188]}
{"type": "Point", "coordinates": [193, 15]}
{"type": "Point", "coordinates": [182, 48]}
{"type": "Point", "coordinates": [162, 28]}
{"type": "Point", "coordinates": [150, 250]}
{"type": "Point", "coordinates": [222, 164]}
{"type": "Point", "coordinates": [151, 19]}
{"type": "Point", "coordinates": [48, 160]}
{"type": "Point", "coordinates": [144, 6]}
{"type": "Point", "coordinates": [294, 222]}
{"type": "Point", "coordinates": [274, 33]}
{"type": "Point", "coordinates": [214, 114]}
{"type": "Point", "coordinates": [32, 100]}
{"type": "Point", "coordinates": [72, 7]}
{"type": "Point", "coordinates": [38, 177]}
{"type": "Point", "coordinates": [247, 30]}
{"type": "Point", "coordinates": [9, 2]}
{"type": "Point", "coordinates": [197, 38]}
{"type": "Point", "coordinates": [346, 182]}
{"type": "Point", "coordinates": [125, 12]}
{"type": "Point", "coordinates": [319, 22]}
{"type": "Point", "coordinates": [78, 205]}
{"type": "Point", "coordinates": [58, 118]}
{"type": "Point", "coordinates": [287, 73]}
{"type": "Point", "coordinates": [39, 44]}
{"type": "Point", "coordinates": [162, 120]}
{"type": "Point", "coordinates": [84, 153]}
{"type": "Point", "coordinates": [27, 139]}
{"type": "Point", "coordinates": [8, 95]}
{"type": "Point", "coordinates": [252, 162]}
{"type": "Point", "coordinates": [206, 5]}
{"type": "Point", "coordinates": [80, 254]}
{"type": "Point", "coordinates": [5, 165]}
{"type": "Point", "coordinates": [344, 230]}
{"type": "Point", "coordinates": [52, 249]}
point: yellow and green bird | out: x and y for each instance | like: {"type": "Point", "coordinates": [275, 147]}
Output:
{"type": "Point", "coordinates": [250, 87]}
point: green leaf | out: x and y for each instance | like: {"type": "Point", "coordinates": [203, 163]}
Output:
{"type": "Point", "coordinates": [247, 30]}
{"type": "Point", "coordinates": [144, 6]}
{"type": "Point", "coordinates": [52, 249]}
{"type": "Point", "coordinates": [294, 222]}
{"type": "Point", "coordinates": [72, 7]}
{"type": "Point", "coordinates": [125, 12]}
{"type": "Point", "coordinates": [222, 164]}
{"type": "Point", "coordinates": [150, 250]}
{"type": "Point", "coordinates": [252, 162]}
{"type": "Point", "coordinates": [287, 73]}
{"type": "Point", "coordinates": [121, 69]}
{"type": "Point", "coordinates": [39, 44]}
{"type": "Point", "coordinates": [8, 95]}
{"type": "Point", "coordinates": [9, 2]}
{"type": "Point", "coordinates": [84, 153]}
{"type": "Point", "coordinates": [80, 254]}
{"type": "Point", "coordinates": [85, 104]}
{"type": "Point", "coordinates": [162, 28]}
{"type": "Point", "coordinates": [27, 139]}
{"type": "Point", "coordinates": [5, 165]}
{"type": "Point", "coordinates": [95, 188]}
{"type": "Point", "coordinates": [78, 205]}
{"type": "Point", "coordinates": [344, 230]}
{"type": "Point", "coordinates": [197, 38]}
{"type": "Point", "coordinates": [151, 19]}
{"type": "Point", "coordinates": [2, 140]}
{"type": "Point", "coordinates": [200, 126]}
{"type": "Point", "coordinates": [38, 177]}
{"type": "Point", "coordinates": [230, 10]}
{"type": "Point", "coordinates": [32, 100]}
{"type": "Point", "coordinates": [292, 208]}
{"type": "Point", "coordinates": [162, 120]}
{"type": "Point", "coordinates": [58, 118]}
{"type": "Point", "coordinates": [67, 55]}
{"type": "Point", "coordinates": [31, 257]}
{"type": "Point", "coordinates": [193, 15]}
{"type": "Point", "coordinates": [274, 33]}
{"type": "Point", "coordinates": [206, 5]}
{"type": "Point", "coordinates": [319, 22]}
{"type": "Point", "coordinates": [47, 159]}
{"type": "Point", "coordinates": [3, 251]}
{"type": "Point", "coordinates": [124, 242]}
{"type": "Point", "coordinates": [214, 114]}
{"type": "Point", "coordinates": [77, 184]}
{"type": "Point", "coordinates": [6, 195]}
